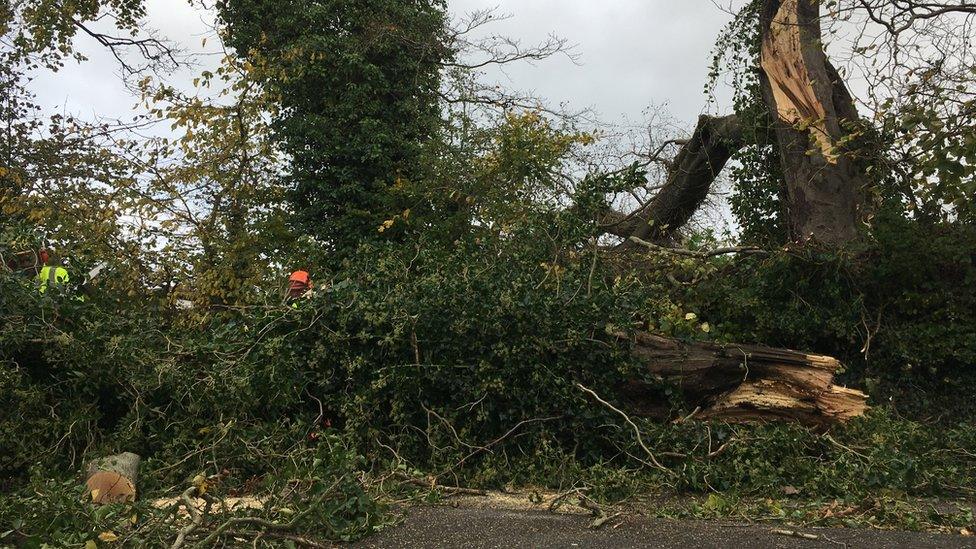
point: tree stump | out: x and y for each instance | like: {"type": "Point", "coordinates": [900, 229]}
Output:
{"type": "Point", "coordinates": [113, 479]}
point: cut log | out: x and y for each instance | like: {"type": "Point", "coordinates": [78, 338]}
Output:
{"type": "Point", "coordinates": [740, 383]}
{"type": "Point", "coordinates": [113, 479]}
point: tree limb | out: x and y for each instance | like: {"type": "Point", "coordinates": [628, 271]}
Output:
{"type": "Point", "coordinates": [690, 176]}
{"type": "Point", "coordinates": [704, 254]}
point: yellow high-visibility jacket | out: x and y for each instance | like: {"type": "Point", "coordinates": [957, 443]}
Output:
{"type": "Point", "coordinates": [51, 275]}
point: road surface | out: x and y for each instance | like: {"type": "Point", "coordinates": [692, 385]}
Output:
{"type": "Point", "coordinates": [467, 527]}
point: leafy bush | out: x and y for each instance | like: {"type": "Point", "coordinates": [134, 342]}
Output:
{"type": "Point", "coordinates": [317, 493]}
{"type": "Point", "coordinates": [901, 312]}
{"type": "Point", "coordinates": [460, 360]}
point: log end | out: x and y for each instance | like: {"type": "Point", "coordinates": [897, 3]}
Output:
{"type": "Point", "coordinates": [112, 479]}
{"type": "Point", "coordinates": [765, 400]}
{"type": "Point", "coordinates": [110, 487]}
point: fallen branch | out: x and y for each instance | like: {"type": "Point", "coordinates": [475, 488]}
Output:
{"type": "Point", "coordinates": [795, 534]}
{"type": "Point", "coordinates": [196, 517]}
{"type": "Point", "coordinates": [721, 448]}
{"type": "Point", "coordinates": [831, 440]}
{"type": "Point", "coordinates": [299, 540]}
{"type": "Point", "coordinates": [487, 447]}
{"type": "Point", "coordinates": [433, 485]}
{"type": "Point", "coordinates": [601, 520]}
{"type": "Point", "coordinates": [558, 500]}
{"type": "Point", "coordinates": [705, 254]}
{"type": "Point", "coordinates": [740, 383]}
{"type": "Point", "coordinates": [640, 440]}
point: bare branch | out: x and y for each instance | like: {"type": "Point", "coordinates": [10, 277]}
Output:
{"type": "Point", "coordinates": [150, 48]}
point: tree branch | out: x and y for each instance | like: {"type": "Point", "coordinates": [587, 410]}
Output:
{"type": "Point", "coordinates": [690, 176]}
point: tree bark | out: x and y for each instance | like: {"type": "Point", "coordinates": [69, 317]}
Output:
{"type": "Point", "coordinates": [812, 111]}
{"type": "Point", "coordinates": [809, 102]}
{"type": "Point", "coordinates": [113, 479]}
{"type": "Point", "coordinates": [690, 177]}
{"type": "Point", "coordinates": [740, 383]}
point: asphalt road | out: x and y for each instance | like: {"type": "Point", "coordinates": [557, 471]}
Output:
{"type": "Point", "coordinates": [448, 527]}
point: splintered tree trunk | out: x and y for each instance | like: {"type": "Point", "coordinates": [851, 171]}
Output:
{"type": "Point", "coordinates": [740, 383]}
{"type": "Point", "coordinates": [813, 116]}
{"type": "Point", "coordinates": [809, 104]}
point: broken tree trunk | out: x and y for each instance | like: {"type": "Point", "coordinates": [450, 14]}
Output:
{"type": "Point", "coordinates": [810, 106]}
{"type": "Point", "coordinates": [739, 383]}
{"type": "Point", "coordinates": [813, 116]}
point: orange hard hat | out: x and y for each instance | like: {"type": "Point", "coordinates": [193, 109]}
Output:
{"type": "Point", "coordinates": [300, 277]}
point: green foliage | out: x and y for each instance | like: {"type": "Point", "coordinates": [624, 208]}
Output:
{"type": "Point", "coordinates": [358, 87]}
{"type": "Point", "coordinates": [462, 292]}
{"type": "Point", "coordinates": [42, 31]}
{"type": "Point", "coordinates": [756, 172]}
{"type": "Point", "coordinates": [54, 512]}
{"type": "Point", "coordinates": [216, 192]}
{"type": "Point", "coordinates": [901, 308]}
{"type": "Point", "coordinates": [320, 496]}
{"type": "Point", "coordinates": [930, 171]}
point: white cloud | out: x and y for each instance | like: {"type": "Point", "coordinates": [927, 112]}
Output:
{"type": "Point", "coordinates": [634, 53]}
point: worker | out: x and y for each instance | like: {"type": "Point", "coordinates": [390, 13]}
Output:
{"type": "Point", "coordinates": [299, 286]}
{"type": "Point", "coordinates": [50, 275]}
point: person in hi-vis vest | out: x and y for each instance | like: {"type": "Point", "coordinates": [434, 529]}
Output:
{"type": "Point", "coordinates": [50, 275]}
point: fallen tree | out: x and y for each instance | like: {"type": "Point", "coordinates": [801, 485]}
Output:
{"type": "Point", "coordinates": [740, 383]}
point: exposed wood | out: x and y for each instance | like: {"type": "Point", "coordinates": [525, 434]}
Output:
{"type": "Point", "coordinates": [812, 112]}
{"type": "Point", "coordinates": [809, 103]}
{"type": "Point", "coordinates": [113, 479]}
{"type": "Point", "coordinates": [742, 383]}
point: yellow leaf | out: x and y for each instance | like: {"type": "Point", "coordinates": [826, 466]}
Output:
{"type": "Point", "coordinates": [95, 493]}
{"type": "Point", "coordinates": [90, 544]}
{"type": "Point", "coordinates": [691, 316]}
{"type": "Point", "coordinates": [200, 482]}
{"type": "Point", "coordinates": [706, 328]}
{"type": "Point", "coordinates": [108, 537]}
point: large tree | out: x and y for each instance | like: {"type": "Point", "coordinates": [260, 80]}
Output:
{"type": "Point", "coordinates": [808, 118]}
{"type": "Point", "coordinates": [358, 83]}
{"type": "Point", "coordinates": [811, 114]}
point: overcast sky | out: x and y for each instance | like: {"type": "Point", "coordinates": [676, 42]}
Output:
{"type": "Point", "coordinates": [632, 54]}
